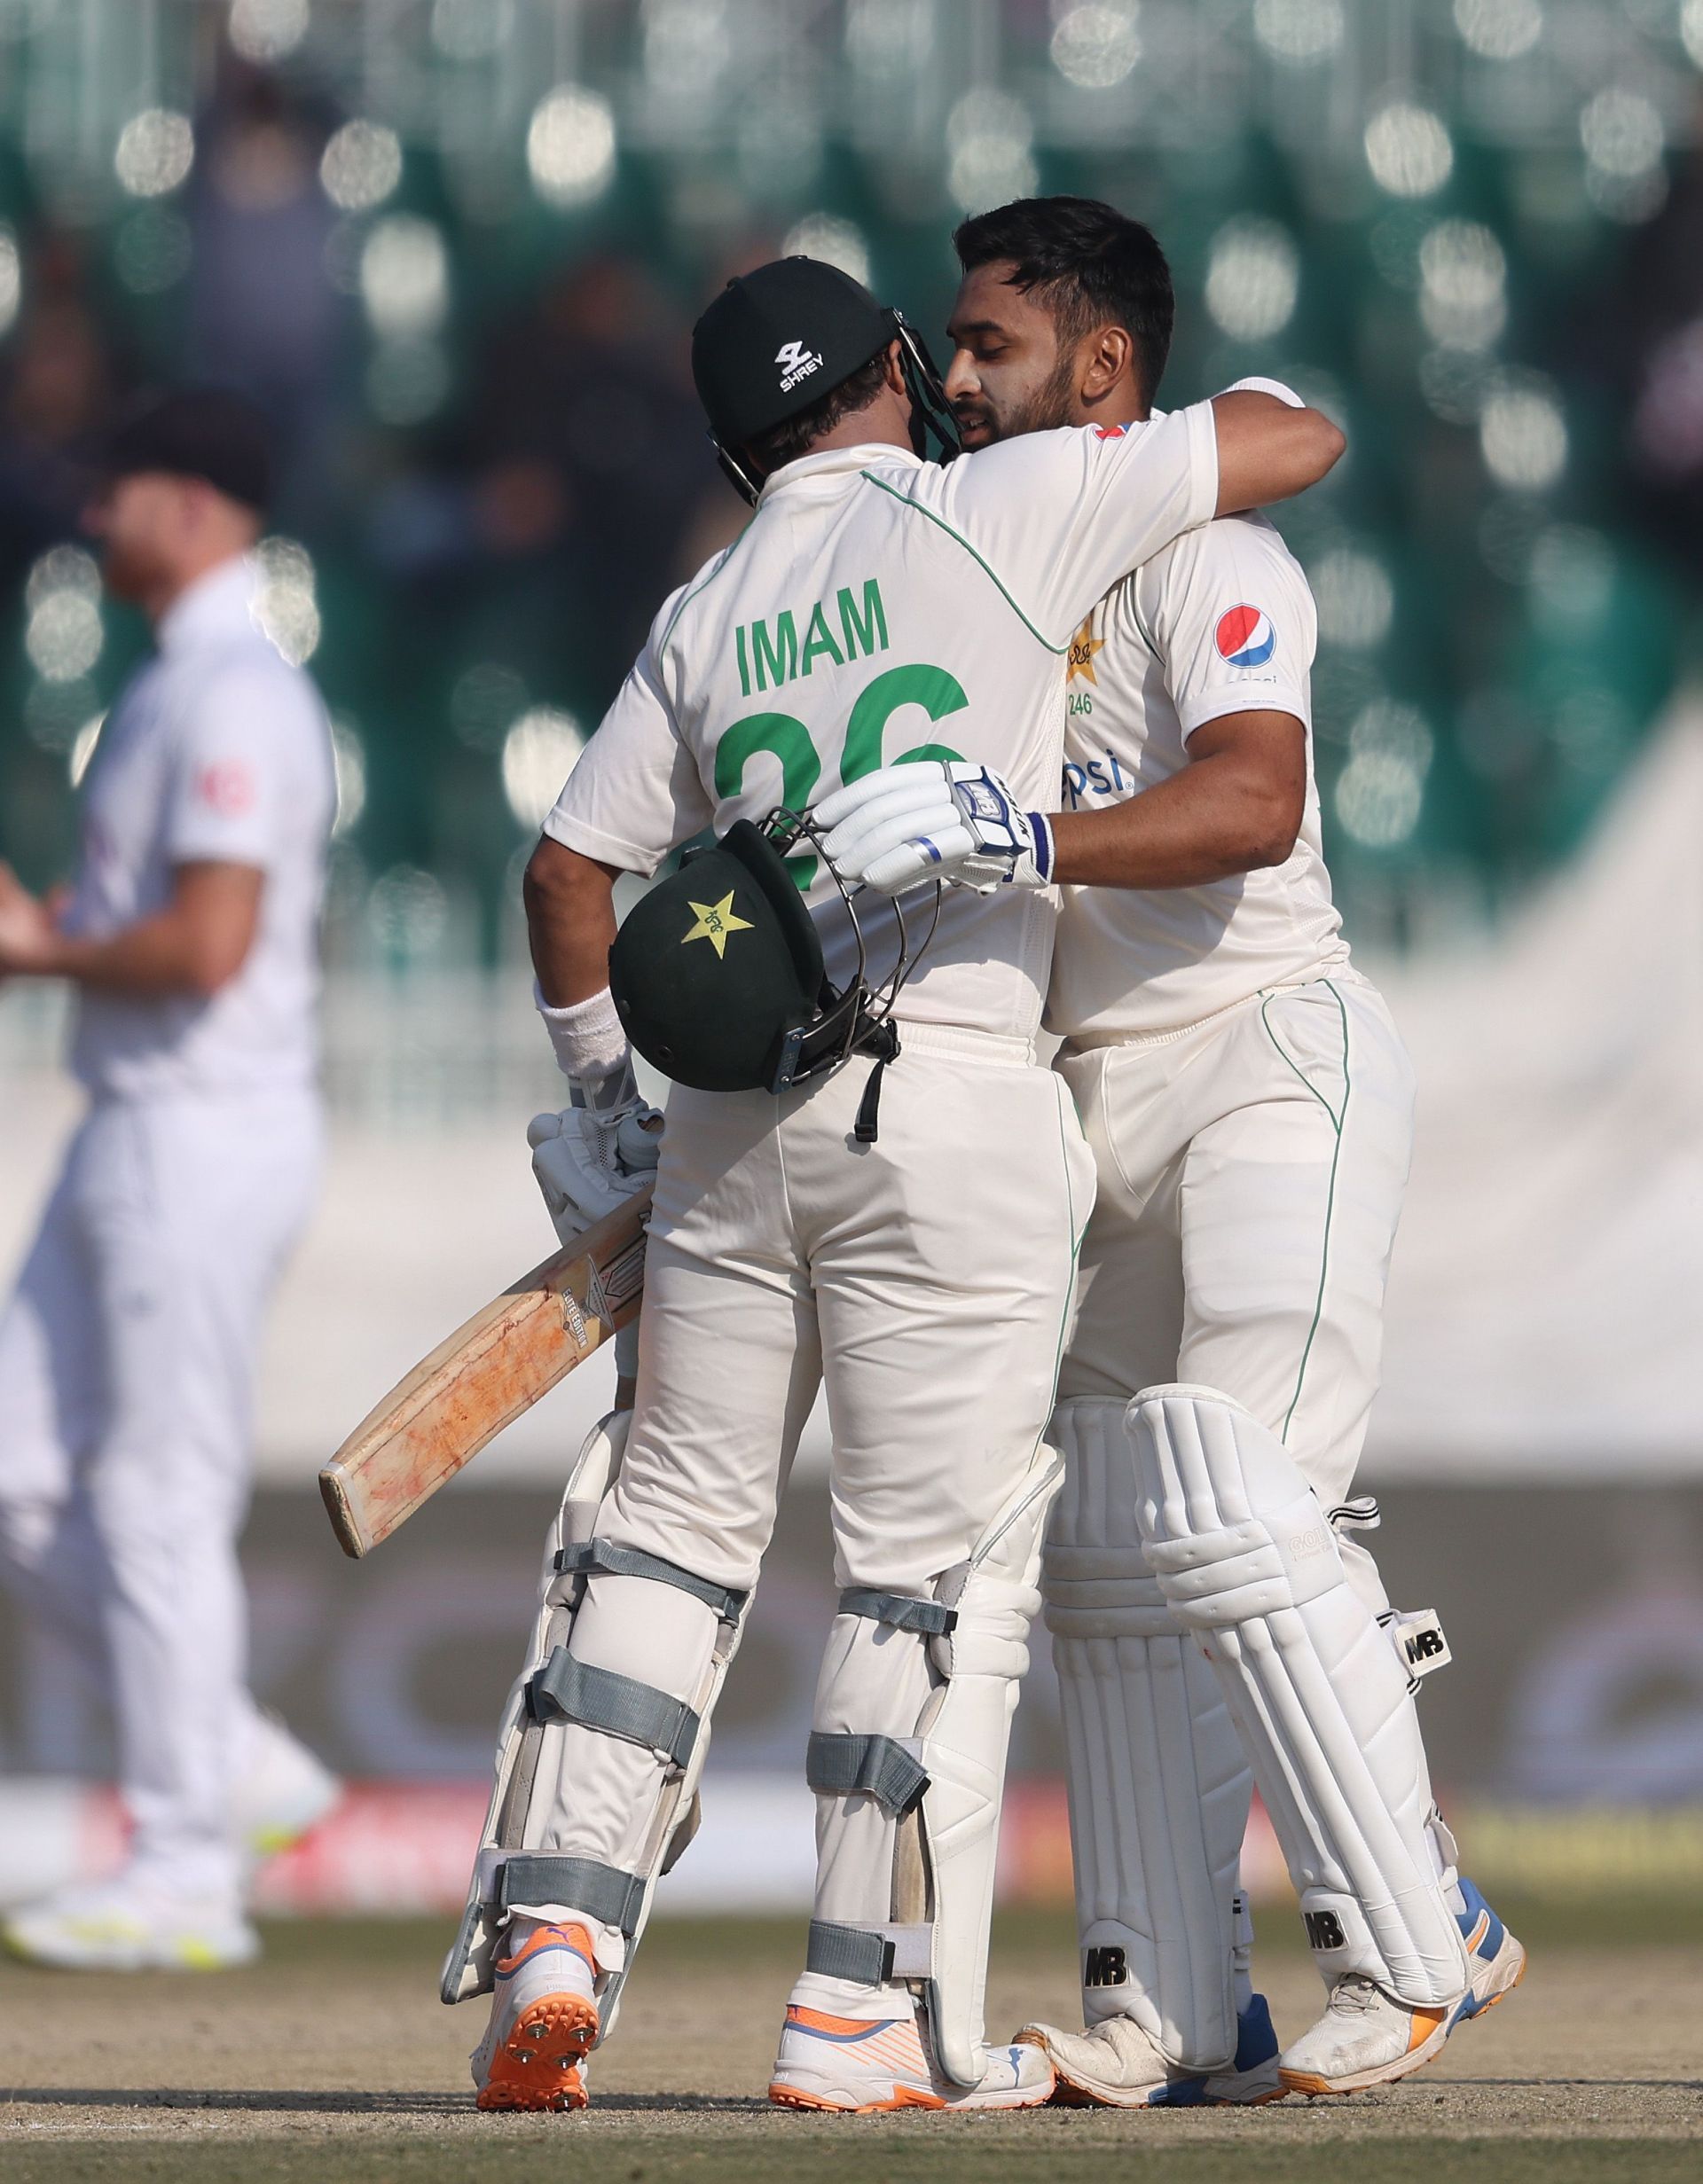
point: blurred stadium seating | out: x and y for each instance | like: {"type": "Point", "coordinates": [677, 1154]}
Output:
{"type": "Point", "coordinates": [456, 244]}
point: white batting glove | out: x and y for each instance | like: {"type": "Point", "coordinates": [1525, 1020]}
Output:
{"type": "Point", "coordinates": [588, 1161]}
{"type": "Point", "coordinates": [903, 824]}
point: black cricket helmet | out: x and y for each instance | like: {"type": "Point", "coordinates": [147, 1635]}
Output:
{"type": "Point", "coordinates": [775, 341]}
{"type": "Point", "coordinates": [718, 973]}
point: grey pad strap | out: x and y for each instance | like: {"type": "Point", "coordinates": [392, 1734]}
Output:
{"type": "Point", "coordinates": [931, 1617]}
{"type": "Point", "coordinates": [593, 1556]}
{"type": "Point", "coordinates": [565, 1689]}
{"type": "Point", "coordinates": [601, 1891]}
{"type": "Point", "coordinates": [841, 1763]}
{"type": "Point", "coordinates": [869, 1954]}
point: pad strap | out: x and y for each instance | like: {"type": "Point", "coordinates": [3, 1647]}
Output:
{"type": "Point", "coordinates": [604, 1557]}
{"type": "Point", "coordinates": [931, 1617]}
{"type": "Point", "coordinates": [840, 1763]}
{"type": "Point", "coordinates": [601, 1891]}
{"type": "Point", "coordinates": [565, 1689]}
{"type": "Point", "coordinates": [869, 1954]}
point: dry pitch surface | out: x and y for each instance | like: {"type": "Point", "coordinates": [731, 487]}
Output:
{"type": "Point", "coordinates": [334, 2060]}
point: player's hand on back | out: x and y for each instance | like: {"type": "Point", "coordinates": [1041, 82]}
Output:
{"type": "Point", "coordinates": [588, 1161]}
{"type": "Point", "coordinates": [904, 825]}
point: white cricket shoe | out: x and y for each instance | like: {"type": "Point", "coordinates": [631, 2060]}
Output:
{"type": "Point", "coordinates": [861, 2066]}
{"type": "Point", "coordinates": [1114, 2064]}
{"type": "Point", "coordinates": [284, 1790]}
{"type": "Point", "coordinates": [123, 1925]}
{"type": "Point", "coordinates": [543, 2019]}
{"type": "Point", "coordinates": [1366, 2038]}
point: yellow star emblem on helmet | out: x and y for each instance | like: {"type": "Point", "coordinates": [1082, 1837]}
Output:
{"type": "Point", "coordinates": [716, 921]}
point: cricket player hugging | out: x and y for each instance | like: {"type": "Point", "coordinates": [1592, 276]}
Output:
{"type": "Point", "coordinates": [126, 1355]}
{"type": "Point", "coordinates": [1249, 1105]}
{"type": "Point", "coordinates": [884, 1201]}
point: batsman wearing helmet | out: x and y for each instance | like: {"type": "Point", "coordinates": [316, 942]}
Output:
{"type": "Point", "coordinates": [1249, 1103]}
{"type": "Point", "coordinates": [866, 1181]}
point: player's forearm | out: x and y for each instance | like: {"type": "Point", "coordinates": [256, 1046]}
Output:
{"type": "Point", "coordinates": [1207, 823]}
{"type": "Point", "coordinates": [1268, 451]}
{"type": "Point", "coordinates": [569, 921]}
{"type": "Point", "coordinates": [167, 954]}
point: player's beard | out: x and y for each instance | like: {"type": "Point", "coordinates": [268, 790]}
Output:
{"type": "Point", "coordinates": [127, 575]}
{"type": "Point", "coordinates": [1045, 409]}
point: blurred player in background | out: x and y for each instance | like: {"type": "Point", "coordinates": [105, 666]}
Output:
{"type": "Point", "coordinates": [127, 1356]}
{"type": "Point", "coordinates": [1250, 1107]}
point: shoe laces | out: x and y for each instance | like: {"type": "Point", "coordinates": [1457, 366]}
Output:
{"type": "Point", "coordinates": [1355, 1995]}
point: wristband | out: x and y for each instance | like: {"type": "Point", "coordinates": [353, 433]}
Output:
{"type": "Point", "coordinates": [588, 1040]}
{"type": "Point", "coordinates": [1041, 827]}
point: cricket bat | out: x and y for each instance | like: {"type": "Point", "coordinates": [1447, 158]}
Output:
{"type": "Point", "coordinates": [484, 1376]}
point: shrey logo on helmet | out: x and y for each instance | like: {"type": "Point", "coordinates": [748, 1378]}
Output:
{"type": "Point", "coordinates": [798, 362]}
{"type": "Point", "coordinates": [1244, 637]}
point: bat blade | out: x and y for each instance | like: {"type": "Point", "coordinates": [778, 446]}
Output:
{"type": "Point", "coordinates": [485, 1375]}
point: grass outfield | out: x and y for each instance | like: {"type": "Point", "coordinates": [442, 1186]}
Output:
{"type": "Point", "coordinates": [334, 2060]}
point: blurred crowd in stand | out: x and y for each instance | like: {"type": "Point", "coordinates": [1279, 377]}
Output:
{"type": "Point", "coordinates": [494, 467]}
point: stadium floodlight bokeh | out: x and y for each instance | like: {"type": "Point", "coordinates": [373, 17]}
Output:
{"type": "Point", "coordinates": [456, 248]}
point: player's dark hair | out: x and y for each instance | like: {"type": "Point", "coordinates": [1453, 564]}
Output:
{"type": "Point", "coordinates": [787, 441]}
{"type": "Point", "coordinates": [1085, 262]}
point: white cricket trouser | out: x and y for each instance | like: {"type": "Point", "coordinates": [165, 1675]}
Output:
{"type": "Point", "coordinates": [1251, 1176]}
{"type": "Point", "coordinates": [127, 1361]}
{"type": "Point", "coordinates": [925, 1278]}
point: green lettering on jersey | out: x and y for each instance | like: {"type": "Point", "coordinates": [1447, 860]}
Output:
{"type": "Point", "coordinates": [801, 766]}
{"type": "Point", "coordinates": [773, 656]}
{"type": "Point", "coordinates": [860, 629]}
{"type": "Point", "coordinates": [818, 639]}
{"type": "Point", "coordinates": [779, 659]}
{"type": "Point", "coordinates": [935, 691]}
{"type": "Point", "coordinates": [789, 740]}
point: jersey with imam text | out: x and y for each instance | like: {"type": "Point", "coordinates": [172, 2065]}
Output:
{"type": "Point", "coordinates": [1221, 622]}
{"type": "Point", "coordinates": [218, 750]}
{"type": "Point", "coordinates": [878, 608]}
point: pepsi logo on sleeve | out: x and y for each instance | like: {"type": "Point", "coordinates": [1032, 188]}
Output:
{"type": "Point", "coordinates": [1244, 637]}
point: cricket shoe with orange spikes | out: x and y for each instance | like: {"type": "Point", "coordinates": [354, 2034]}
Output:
{"type": "Point", "coordinates": [861, 2066]}
{"type": "Point", "coordinates": [1114, 2065]}
{"type": "Point", "coordinates": [543, 2019]}
{"type": "Point", "coordinates": [1366, 2038]}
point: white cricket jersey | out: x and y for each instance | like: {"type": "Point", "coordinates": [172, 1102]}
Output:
{"type": "Point", "coordinates": [219, 750]}
{"type": "Point", "coordinates": [879, 608]}
{"type": "Point", "coordinates": [1222, 622]}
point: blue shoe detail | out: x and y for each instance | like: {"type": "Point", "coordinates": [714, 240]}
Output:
{"type": "Point", "coordinates": [1491, 1939]}
{"type": "Point", "coordinates": [1181, 2092]}
{"type": "Point", "coordinates": [1256, 2043]}
{"type": "Point", "coordinates": [838, 2031]}
{"type": "Point", "coordinates": [1256, 2035]}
